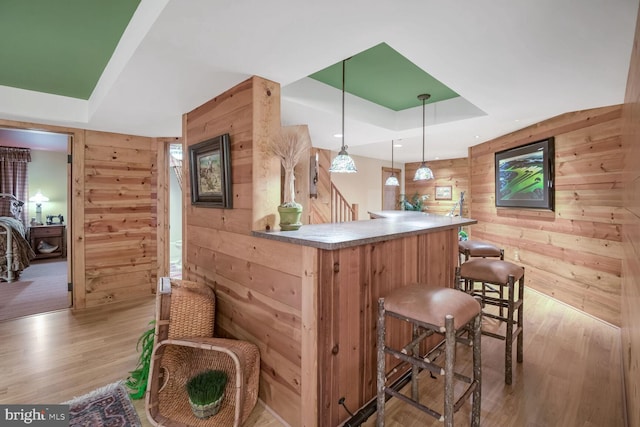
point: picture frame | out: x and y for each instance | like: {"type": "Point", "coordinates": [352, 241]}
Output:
{"type": "Point", "coordinates": [524, 176]}
{"type": "Point", "coordinates": [210, 171]}
{"type": "Point", "coordinates": [443, 192]}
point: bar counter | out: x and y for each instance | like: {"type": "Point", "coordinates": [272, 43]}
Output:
{"type": "Point", "coordinates": [387, 225]}
{"type": "Point", "coordinates": [341, 271]}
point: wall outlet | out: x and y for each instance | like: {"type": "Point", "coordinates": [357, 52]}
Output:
{"type": "Point", "coordinates": [516, 255]}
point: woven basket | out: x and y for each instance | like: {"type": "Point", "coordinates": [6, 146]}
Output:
{"type": "Point", "coordinates": [188, 308]}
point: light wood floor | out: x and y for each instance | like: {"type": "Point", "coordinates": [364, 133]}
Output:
{"type": "Point", "coordinates": [571, 375]}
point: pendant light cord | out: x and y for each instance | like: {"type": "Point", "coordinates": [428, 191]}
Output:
{"type": "Point", "coordinates": [423, 97]}
{"type": "Point", "coordinates": [392, 157]}
{"type": "Point", "coordinates": [343, 78]}
{"type": "Point", "coordinates": [423, 130]}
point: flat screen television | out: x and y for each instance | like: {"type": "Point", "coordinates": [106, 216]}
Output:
{"type": "Point", "coordinates": [524, 176]}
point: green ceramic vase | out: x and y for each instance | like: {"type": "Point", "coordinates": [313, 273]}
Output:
{"type": "Point", "coordinates": [290, 217]}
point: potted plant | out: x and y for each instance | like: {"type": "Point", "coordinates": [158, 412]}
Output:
{"type": "Point", "coordinates": [290, 147]}
{"type": "Point", "coordinates": [416, 203]}
{"type": "Point", "coordinates": [206, 392]}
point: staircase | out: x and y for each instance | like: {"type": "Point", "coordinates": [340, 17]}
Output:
{"type": "Point", "coordinates": [341, 209]}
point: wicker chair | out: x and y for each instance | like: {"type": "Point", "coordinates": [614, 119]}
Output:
{"type": "Point", "coordinates": [184, 346]}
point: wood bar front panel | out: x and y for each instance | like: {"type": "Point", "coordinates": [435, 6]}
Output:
{"type": "Point", "coordinates": [350, 282]}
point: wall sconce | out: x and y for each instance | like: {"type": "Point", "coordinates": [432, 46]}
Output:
{"type": "Point", "coordinates": [313, 176]}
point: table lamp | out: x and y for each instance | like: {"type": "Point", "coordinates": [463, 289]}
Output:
{"type": "Point", "coordinates": [38, 199]}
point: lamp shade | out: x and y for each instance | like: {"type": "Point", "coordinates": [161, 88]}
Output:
{"type": "Point", "coordinates": [392, 181]}
{"type": "Point", "coordinates": [38, 198]}
{"type": "Point", "coordinates": [343, 163]}
{"type": "Point", "coordinates": [423, 173]}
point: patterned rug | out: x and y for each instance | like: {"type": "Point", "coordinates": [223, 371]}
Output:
{"type": "Point", "coordinates": [108, 406]}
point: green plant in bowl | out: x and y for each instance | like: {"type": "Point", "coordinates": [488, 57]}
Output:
{"type": "Point", "coordinates": [206, 391]}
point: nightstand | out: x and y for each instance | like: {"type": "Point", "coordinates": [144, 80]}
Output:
{"type": "Point", "coordinates": [50, 236]}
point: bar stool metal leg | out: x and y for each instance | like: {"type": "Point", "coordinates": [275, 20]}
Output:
{"type": "Point", "coordinates": [381, 377]}
{"type": "Point", "coordinates": [508, 348]}
{"type": "Point", "coordinates": [450, 357]}
{"type": "Point", "coordinates": [477, 370]}
{"type": "Point", "coordinates": [520, 342]}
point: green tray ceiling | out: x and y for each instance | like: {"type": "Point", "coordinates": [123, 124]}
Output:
{"type": "Point", "coordinates": [383, 76]}
{"type": "Point", "coordinates": [60, 47]}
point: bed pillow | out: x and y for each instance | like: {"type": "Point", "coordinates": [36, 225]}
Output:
{"type": "Point", "coordinates": [9, 207]}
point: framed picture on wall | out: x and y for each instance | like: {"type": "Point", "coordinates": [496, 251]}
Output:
{"type": "Point", "coordinates": [443, 192]}
{"type": "Point", "coordinates": [524, 176]}
{"type": "Point", "coordinates": [210, 170]}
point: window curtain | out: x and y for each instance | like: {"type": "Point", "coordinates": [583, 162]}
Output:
{"type": "Point", "coordinates": [13, 174]}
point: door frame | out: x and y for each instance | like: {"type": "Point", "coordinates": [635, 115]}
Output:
{"type": "Point", "coordinates": [75, 205]}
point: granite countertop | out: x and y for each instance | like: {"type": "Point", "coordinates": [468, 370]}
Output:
{"type": "Point", "coordinates": [387, 225]}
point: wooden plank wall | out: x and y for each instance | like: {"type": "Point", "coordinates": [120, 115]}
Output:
{"type": "Point", "coordinates": [452, 172]}
{"type": "Point", "coordinates": [111, 226]}
{"type": "Point", "coordinates": [631, 237]}
{"type": "Point", "coordinates": [573, 254]}
{"type": "Point", "coordinates": [257, 281]}
{"type": "Point", "coordinates": [120, 217]}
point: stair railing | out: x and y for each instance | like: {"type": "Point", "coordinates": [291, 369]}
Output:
{"type": "Point", "coordinates": [341, 209]}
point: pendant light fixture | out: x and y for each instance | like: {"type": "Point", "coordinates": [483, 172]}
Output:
{"type": "Point", "coordinates": [392, 180]}
{"type": "Point", "coordinates": [343, 163]}
{"type": "Point", "coordinates": [423, 173]}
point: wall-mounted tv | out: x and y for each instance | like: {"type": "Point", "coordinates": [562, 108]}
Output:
{"type": "Point", "coordinates": [524, 176]}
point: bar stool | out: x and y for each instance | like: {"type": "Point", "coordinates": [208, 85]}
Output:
{"type": "Point", "coordinates": [476, 248]}
{"type": "Point", "coordinates": [510, 278]}
{"type": "Point", "coordinates": [439, 310]}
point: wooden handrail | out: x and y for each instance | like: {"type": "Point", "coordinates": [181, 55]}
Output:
{"type": "Point", "coordinates": [341, 209]}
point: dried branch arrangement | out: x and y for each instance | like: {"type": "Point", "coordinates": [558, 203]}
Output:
{"type": "Point", "coordinates": [290, 147]}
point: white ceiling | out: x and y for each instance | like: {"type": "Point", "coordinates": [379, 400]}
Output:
{"type": "Point", "coordinates": [514, 63]}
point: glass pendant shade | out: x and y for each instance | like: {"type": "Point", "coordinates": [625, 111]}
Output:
{"type": "Point", "coordinates": [392, 181]}
{"type": "Point", "coordinates": [343, 163]}
{"type": "Point", "coordinates": [423, 173]}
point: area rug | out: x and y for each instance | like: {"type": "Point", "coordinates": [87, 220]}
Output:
{"type": "Point", "coordinates": [109, 406]}
{"type": "Point", "coordinates": [42, 288]}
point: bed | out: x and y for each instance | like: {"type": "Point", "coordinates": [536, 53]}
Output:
{"type": "Point", "coordinates": [15, 251]}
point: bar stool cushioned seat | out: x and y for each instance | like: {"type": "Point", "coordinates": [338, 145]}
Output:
{"type": "Point", "coordinates": [510, 278]}
{"type": "Point", "coordinates": [431, 309]}
{"type": "Point", "coordinates": [476, 248]}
